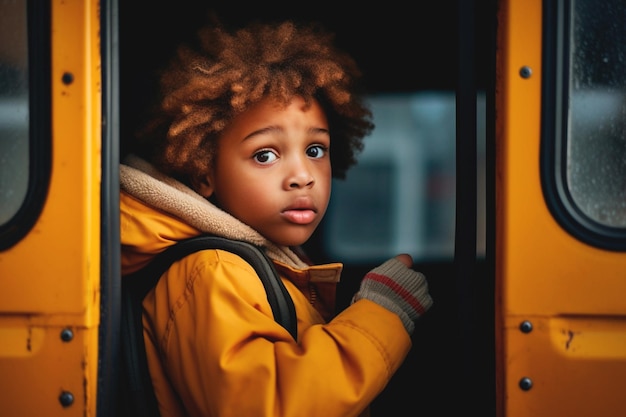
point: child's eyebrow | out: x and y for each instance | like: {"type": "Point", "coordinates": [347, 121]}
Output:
{"type": "Point", "coordinates": [263, 131]}
{"type": "Point", "coordinates": [322, 130]}
{"type": "Point", "coordinates": [271, 129]}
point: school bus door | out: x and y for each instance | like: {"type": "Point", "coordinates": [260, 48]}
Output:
{"type": "Point", "coordinates": [58, 194]}
{"type": "Point", "coordinates": [561, 232]}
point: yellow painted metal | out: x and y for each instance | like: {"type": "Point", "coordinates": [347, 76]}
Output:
{"type": "Point", "coordinates": [51, 279]}
{"type": "Point", "coordinates": [571, 293]}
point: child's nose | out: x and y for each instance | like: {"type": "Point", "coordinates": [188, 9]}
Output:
{"type": "Point", "coordinates": [300, 175]}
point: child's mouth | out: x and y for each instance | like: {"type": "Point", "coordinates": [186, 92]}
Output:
{"type": "Point", "coordinates": [299, 216]}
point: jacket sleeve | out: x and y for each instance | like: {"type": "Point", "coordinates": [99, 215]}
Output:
{"type": "Point", "coordinates": [215, 338]}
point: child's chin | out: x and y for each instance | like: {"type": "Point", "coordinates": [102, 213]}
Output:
{"type": "Point", "coordinates": [292, 239]}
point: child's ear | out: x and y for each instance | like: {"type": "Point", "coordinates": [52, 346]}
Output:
{"type": "Point", "coordinates": [204, 187]}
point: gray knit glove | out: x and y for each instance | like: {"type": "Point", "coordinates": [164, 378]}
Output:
{"type": "Point", "coordinates": [399, 289]}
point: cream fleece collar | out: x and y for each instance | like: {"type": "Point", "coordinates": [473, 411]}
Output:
{"type": "Point", "coordinates": [141, 180]}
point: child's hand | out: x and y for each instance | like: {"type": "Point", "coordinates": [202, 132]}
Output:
{"type": "Point", "coordinates": [398, 288]}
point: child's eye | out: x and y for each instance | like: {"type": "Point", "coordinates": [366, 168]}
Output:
{"type": "Point", "coordinates": [265, 156]}
{"type": "Point", "coordinates": [316, 151]}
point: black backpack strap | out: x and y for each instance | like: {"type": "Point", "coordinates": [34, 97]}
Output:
{"type": "Point", "coordinates": [138, 398]}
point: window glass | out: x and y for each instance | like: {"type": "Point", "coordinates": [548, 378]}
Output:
{"type": "Point", "coordinates": [596, 147]}
{"type": "Point", "coordinates": [400, 197]}
{"type": "Point", "coordinates": [14, 115]}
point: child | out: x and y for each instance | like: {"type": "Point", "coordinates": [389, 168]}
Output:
{"type": "Point", "coordinates": [249, 130]}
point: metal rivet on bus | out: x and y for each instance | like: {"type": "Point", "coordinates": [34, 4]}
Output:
{"type": "Point", "coordinates": [526, 326]}
{"type": "Point", "coordinates": [525, 71]}
{"type": "Point", "coordinates": [68, 78]}
{"type": "Point", "coordinates": [525, 383]}
{"type": "Point", "coordinates": [66, 398]}
{"type": "Point", "coordinates": [67, 335]}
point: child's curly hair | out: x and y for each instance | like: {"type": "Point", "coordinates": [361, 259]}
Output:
{"type": "Point", "coordinates": [205, 87]}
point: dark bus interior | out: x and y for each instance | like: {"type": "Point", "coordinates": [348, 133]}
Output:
{"type": "Point", "coordinates": [400, 47]}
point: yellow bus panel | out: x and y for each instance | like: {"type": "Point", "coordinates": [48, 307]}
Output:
{"type": "Point", "coordinates": [49, 292]}
{"type": "Point", "coordinates": [560, 302]}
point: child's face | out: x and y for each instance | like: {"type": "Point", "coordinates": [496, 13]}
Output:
{"type": "Point", "coordinates": [272, 170]}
